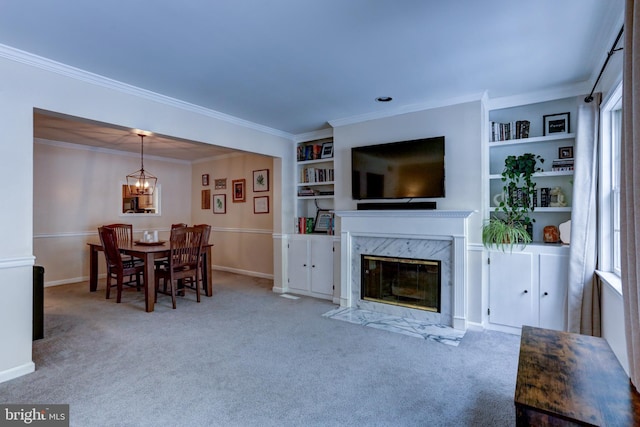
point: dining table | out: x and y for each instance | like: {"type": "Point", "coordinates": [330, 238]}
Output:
{"type": "Point", "coordinates": [148, 252]}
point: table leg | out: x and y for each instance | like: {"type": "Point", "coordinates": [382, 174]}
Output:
{"type": "Point", "coordinates": [149, 282]}
{"type": "Point", "coordinates": [93, 268]}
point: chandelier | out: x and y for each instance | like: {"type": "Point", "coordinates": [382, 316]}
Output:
{"type": "Point", "coordinates": [141, 182]}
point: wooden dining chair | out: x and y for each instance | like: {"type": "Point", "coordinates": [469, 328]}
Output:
{"type": "Point", "coordinates": [163, 262]}
{"type": "Point", "coordinates": [116, 268]}
{"type": "Point", "coordinates": [203, 273]}
{"type": "Point", "coordinates": [124, 236]}
{"type": "Point", "coordinates": [185, 249]}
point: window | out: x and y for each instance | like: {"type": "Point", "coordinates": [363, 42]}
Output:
{"type": "Point", "coordinates": [609, 200]}
{"type": "Point", "coordinates": [139, 205]}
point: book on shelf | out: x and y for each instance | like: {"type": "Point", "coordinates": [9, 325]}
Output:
{"type": "Point", "coordinates": [303, 225]}
{"type": "Point", "coordinates": [314, 175]}
{"type": "Point", "coordinates": [309, 152]}
{"type": "Point", "coordinates": [545, 197]}
{"type": "Point", "coordinates": [306, 192]}
{"type": "Point", "coordinates": [562, 165]}
{"type": "Point", "coordinates": [518, 129]}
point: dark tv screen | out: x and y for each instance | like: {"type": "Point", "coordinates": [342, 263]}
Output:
{"type": "Point", "coordinates": [398, 170]}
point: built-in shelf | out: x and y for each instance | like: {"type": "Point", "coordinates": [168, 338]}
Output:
{"type": "Point", "coordinates": [311, 184]}
{"type": "Point", "coordinates": [538, 174]}
{"type": "Point", "coordinates": [543, 209]}
{"type": "Point", "coordinates": [535, 139]}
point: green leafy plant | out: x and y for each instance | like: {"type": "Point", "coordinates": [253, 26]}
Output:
{"type": "Point", "coordinates": [512, 220]}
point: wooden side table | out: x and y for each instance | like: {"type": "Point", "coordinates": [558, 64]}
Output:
{"type": "Point", "coordinates": [567, 379]}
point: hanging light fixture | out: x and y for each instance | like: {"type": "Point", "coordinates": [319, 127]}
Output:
{"type": "Point", "coordinates": [141, 182]}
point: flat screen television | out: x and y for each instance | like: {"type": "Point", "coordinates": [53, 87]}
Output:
{"type": "Point", "coordinates": [398, 170]}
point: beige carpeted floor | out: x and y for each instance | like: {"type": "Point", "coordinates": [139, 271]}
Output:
{"type": "Point", "coordinates": [247, 357]}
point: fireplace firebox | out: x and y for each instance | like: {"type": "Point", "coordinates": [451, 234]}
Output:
{"type": "Point", "coordinates": [413, 283]}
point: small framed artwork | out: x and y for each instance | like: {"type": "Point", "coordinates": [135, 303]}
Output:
{"type": "Point", "coordinates": [565, 152]}
{"type": "Point", "coordinates": [205, 179]}
{"type": "Point", "coordinates": [220, 184]}
{"type": "Point", "coordinates": [261, 205]}
{"type": "Point", "coordinates": [239, 194]}
{"type": "Point", "coordinates": [327, 150]}
{"type": "Point", "coordinates": [555, 123]}
{"type": "Point", "coordinates": [206, 199]}
{"type": "Point", "coordinates": [219, 203]}
{"type": "Point", "coordinates": [261, 180]}
{"type": "Point", "coordinates": [323, 221]}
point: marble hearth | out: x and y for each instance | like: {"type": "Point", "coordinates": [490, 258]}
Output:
{"type": "Point", "coordinates": [419, 234]}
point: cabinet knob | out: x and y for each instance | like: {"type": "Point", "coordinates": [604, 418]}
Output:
{"type": "Point", "coordinates": [546, 293]}
{"type": "Point", "coordinates": [526, 291]}
{"type": "Point", "coordinates": [304, 265]}
{"type": "Point", "coordinates": [313, 266]}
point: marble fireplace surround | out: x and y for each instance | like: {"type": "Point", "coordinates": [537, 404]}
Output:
{"type": "Point", "coordinates": [423, 234]}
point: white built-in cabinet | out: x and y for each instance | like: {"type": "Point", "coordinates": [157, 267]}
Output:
{"type": "Point", "coordinates": [528, 286]}
{"type": "Point", "coordinates": [311, 271]}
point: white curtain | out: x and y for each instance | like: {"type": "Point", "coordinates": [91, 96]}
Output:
{"type": "Point", "coordinates": [583, 249]}
{"type": "Point", "coordinates": [630, 188]}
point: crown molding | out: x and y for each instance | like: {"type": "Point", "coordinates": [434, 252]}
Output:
{"type": "Point", "coordinates": [412, 108]}
{"type": "Point", "coordinates": [30, 59]}
{"type": "Point", "coordinates": [312, 136]}
{"type": "Point", "coordinates": [577, 89]}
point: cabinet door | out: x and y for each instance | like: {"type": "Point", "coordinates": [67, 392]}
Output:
{"type": "Point", "coordinates": [511, 289]}
{"type": "Point", "coordinates": [299, 265]}
{"type": "Point", "coordinates": [322, 267]}
{"type": "Point", "coordinates": [554, 276]}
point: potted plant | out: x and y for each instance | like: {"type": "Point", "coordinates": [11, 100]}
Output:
{"type": "Point", "coordinates": [512, 222]}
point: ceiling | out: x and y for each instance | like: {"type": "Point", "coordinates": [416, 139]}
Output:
{"type": "Point", "coordinates": [297, 65]}
{"type": "Point", "coordinates": [57, 127]}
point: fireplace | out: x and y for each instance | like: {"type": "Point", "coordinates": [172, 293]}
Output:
{"type": "Point", "coordinates": [407, 282]}
{"type": "Point", "coordinates": [434, 235]}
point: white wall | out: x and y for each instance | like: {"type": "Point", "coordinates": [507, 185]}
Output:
{"type": "Point", "coordinates": [26, 83]}
{"type": "Point", "coordinates": [461, 126]}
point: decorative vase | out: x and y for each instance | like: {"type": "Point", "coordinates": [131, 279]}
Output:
{"type": "Point", "coordinates": [565, 232]}
{"type": "Point", "coordinates": [551, 234]}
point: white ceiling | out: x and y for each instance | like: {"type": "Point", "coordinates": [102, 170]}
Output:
{"type": "Point", "coordinates": [295, 65]}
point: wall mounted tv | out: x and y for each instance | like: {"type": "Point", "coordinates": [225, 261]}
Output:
{"type": "Point", "coordinates": [398, 170]}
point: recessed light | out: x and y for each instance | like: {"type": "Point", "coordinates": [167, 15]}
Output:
{"type": "Point", "coordinates": [384, 99]}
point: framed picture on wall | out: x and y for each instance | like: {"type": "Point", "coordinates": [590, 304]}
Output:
{"type": "Point", "coordinates": [206, 199]}
{"type": "Point", "coordinates": [219, 203]}
{"type": "Point", "coordinates": [205, 179]}
{"type": "Point", "coordinates": [260, 180]}
{"type": "Point", "coordinates": [220, 183]}
{"type": "Point", "coordinates": [261, 205]}
{"type": "Point", "coordinates": [556, 123]}
{"type": "Point", "coordinates": [238, 188]}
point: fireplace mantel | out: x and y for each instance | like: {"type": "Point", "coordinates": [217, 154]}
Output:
{"type": "Point", "coordinates": [398, 228]}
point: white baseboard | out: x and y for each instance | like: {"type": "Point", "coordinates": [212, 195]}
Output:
{"type": "Point", "coordinates": [473, 326]}
{"type": "Point", "coordinates": [244, 272]}
{"type": "Point", "coordinates": [18, 371]}
{"type": "Point", "coordinates": [71, 280]}
{"type": "Point", "coordinates": [103, 275]}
